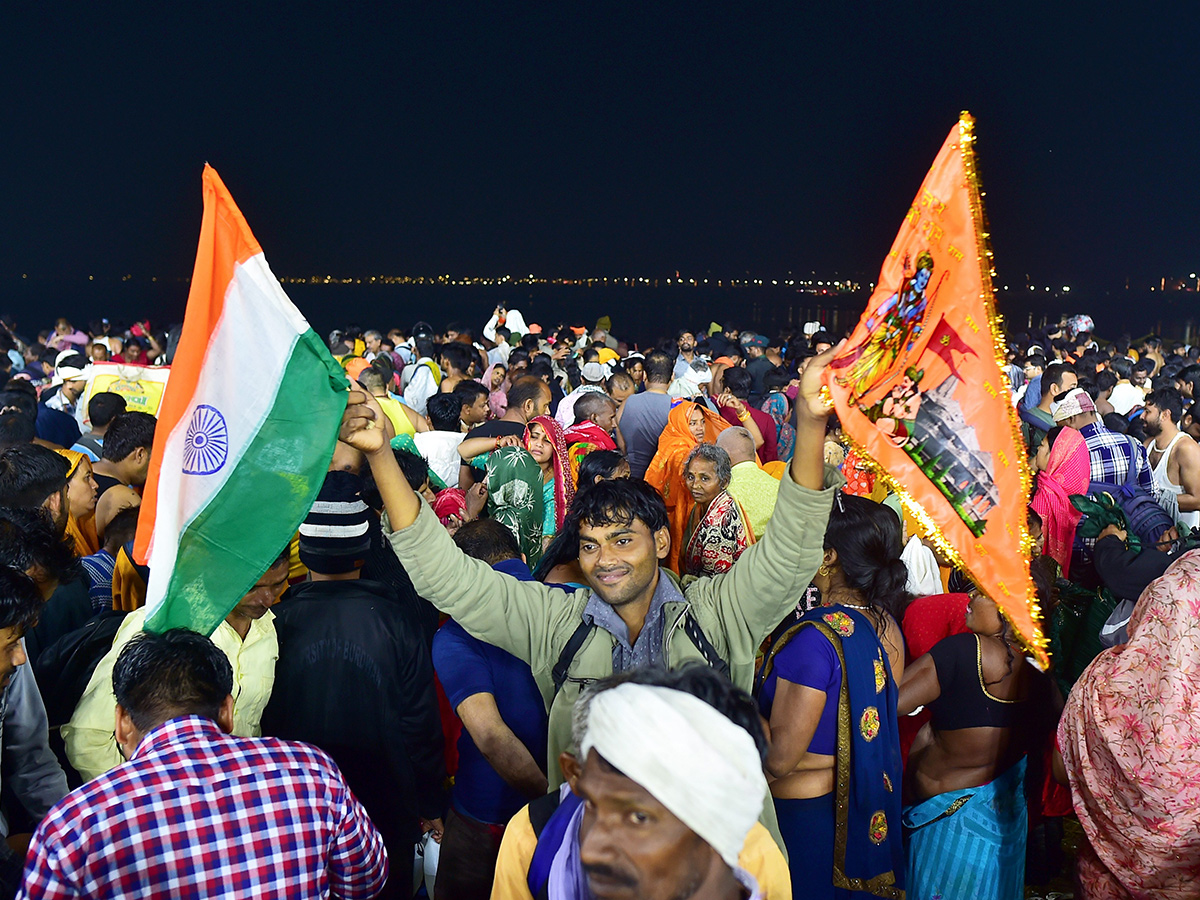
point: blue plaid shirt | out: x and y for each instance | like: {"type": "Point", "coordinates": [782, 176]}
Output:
{"type": "Point", "coordinates": [1110, 455]}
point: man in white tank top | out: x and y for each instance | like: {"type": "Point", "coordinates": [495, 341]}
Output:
{"type": "Point", "coordinates": [1174, 456]}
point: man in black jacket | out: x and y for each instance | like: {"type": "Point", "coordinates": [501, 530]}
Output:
{"type": "Point", "coordinates": [354, 678]}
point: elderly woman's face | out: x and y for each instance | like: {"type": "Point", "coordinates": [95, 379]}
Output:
{"type": "Point", "coordinates": [701, 481]}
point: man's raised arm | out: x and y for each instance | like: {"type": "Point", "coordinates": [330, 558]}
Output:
{"type": "Point", "coordinates": [808, 460]}
{"type": "Point", "coordinates": [523, 617]}
{"type": "Point", "coordinates": [770, 577]}
{"type": "Point", "coordinates": [363, 429]}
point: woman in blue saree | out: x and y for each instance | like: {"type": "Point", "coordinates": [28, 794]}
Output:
{"type": "Point", "coordinates": [828, 688]}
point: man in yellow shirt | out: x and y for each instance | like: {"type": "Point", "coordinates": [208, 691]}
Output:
{"type": "Point", "coordinates": [748, 484]}
{"type": "Point", "coordinates": [403, 418]}
{"type": "Point", "coordinates": [246, 636]}
{"type": "Point", "coordinates": [665, 793]}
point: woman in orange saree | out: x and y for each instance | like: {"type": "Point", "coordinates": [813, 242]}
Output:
{"type": "Point", "coordinates": [688, 424]}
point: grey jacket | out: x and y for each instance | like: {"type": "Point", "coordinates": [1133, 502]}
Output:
{"type": "Point", "coordinates": [735, 610]}
{"type": "Point", "coordinates": [34, 775]}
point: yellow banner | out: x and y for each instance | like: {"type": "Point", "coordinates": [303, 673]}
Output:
{"type": "Point", "coordinates": [141, 386]}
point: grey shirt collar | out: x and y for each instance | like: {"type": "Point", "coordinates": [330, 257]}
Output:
{"type": "Point", "coordinates": [648, 649]}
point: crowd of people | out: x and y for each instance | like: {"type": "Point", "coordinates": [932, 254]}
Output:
{"type": "Point", "coordinates": [573, 619]}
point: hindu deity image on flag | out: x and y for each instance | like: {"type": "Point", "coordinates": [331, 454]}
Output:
{"type": "Point", "coordinates": [920, 388]}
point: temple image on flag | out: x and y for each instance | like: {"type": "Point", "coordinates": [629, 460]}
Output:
{"type": "Point", "coordinates": [947, 450]}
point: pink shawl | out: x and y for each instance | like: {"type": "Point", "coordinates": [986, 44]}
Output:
{"type": "Point", "coordinates": [1130, 739]}
{"type": "Point", "coordinates": [1068, 472]}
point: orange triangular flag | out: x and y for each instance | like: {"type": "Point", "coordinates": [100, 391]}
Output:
{"type": "Point", "coordinates": [921, 390]}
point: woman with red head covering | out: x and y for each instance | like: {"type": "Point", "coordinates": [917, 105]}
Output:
{"type": "Point", "coordinates": [545, 442]}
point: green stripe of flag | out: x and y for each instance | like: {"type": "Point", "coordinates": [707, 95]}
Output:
{"type": "Point", "coordinates": [228, 546]}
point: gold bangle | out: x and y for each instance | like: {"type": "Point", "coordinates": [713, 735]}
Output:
{"type": "Point", "coordinates": [743, 417]}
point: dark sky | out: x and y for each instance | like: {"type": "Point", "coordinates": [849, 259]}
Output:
{"type": "Point", "coordinates": [593, 138]}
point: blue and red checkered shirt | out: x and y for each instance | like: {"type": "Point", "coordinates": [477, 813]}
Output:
{"type": "Point", "coordinates": [1110, 454]}
{"type": "Point", "coordinates": [197, 813]}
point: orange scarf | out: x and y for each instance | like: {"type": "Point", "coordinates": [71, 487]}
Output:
{"type": "Point", "coordinates": [81, 531]}
{"type": "Point", "coordinates": [666, 469]}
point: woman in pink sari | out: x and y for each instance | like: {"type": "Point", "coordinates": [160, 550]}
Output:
{"type": "Point", "coordinates": [544, 440]}
{"type": "Point", "coordinates": [495, 379]}
{"type": "Point", "coordinates": [1063, 468]}
{"type": "Point", "coordinates": [1130, 743]}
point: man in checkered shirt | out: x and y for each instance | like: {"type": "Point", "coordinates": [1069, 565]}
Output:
{"type": "Point", "coordinates": [1110, 453]}
{"type": "Point", "coordinates": [196, 812]}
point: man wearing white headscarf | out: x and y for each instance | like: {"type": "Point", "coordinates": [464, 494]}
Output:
{"type": "Point", "coordinates": [661, 802]}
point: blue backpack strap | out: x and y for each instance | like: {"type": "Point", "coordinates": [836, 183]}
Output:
{"type": "Point", "coordinates": [550, 830]}
{"type": "Point", "coordinates": [1131, 480]}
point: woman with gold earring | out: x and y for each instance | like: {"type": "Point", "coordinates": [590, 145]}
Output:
{"type": "Point", "coordinates": [828, 687]}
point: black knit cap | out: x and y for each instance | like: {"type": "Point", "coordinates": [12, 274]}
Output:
{"type": "Point", "coordinates": [334, 537]}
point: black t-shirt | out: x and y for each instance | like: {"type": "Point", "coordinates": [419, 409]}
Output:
{"type": "Point", "coordinates": [68, 608]}
{"type": "Point", "coordinates": [497, 428]}
{"type": "Point", "coordinates": [104, 482]}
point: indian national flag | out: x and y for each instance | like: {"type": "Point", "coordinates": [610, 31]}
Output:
{"type": "Point", "coordinates": [245, 431]}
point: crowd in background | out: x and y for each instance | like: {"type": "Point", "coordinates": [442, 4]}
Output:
{"type": "Point", "coordinates": [571, 618]}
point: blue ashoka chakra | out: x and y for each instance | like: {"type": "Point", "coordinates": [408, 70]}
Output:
{"type": "Point", "coordinates": [206, 445]}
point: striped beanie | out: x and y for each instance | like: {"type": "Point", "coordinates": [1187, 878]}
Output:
{"type": "Point", "coordinates": [334, 537]}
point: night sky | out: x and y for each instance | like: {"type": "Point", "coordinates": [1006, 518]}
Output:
{"type": "Point", "coordinates": [622, 139]}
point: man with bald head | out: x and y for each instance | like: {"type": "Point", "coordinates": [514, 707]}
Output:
{"type": "Point", "coordinates": [749, 485]}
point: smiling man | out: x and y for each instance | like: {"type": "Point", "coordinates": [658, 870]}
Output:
{"type": "Point", "coordinates": [633, 613]}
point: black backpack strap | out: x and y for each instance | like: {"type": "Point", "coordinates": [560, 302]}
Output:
{"type": "Point", "coordinates": [559, 672]}
{"type": "Point", "coordinates": [540, 811]}
{"type": "Point", "coordinates": [696, 635]}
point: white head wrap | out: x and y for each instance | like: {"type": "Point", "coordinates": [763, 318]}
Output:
{"type": "Point", "coordinates": [924, 576]}
{"type": "Point", "coordinates": [516, 322]}
{"type": "Point", "coordinates": [695, 761]}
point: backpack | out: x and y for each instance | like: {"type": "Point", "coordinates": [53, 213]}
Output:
{"type": "Point", "coordinates": [1147, 519]}
{"type": "Point", "coordinates": [64, 669]}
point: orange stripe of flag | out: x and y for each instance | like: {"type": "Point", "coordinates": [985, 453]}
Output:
{"type": "Point", "coordinates": [225, 242]}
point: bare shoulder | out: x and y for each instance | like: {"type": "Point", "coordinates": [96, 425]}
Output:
{"type": "Point", "coordinates": [1188, 448]}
